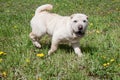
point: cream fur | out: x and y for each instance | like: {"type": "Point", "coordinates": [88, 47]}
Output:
{"type": "Point", "coordinates": [61, 28]}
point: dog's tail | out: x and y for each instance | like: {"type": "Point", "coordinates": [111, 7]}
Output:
{"type": "Point", "coordinates": [44, 8]}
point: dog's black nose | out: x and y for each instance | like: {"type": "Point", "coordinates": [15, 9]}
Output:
{"type": "Point", "coordinates": [80, 27]}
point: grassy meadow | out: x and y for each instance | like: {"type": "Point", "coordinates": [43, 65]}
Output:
{"type": "Point", "coordinates": [20, 60]}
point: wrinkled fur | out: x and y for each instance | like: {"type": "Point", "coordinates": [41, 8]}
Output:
{"type": "Point", "coordinates": [61, 28]}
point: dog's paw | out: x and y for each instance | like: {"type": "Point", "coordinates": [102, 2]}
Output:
{"type": "Point", "coordinates": [49, 52]}
{"type": "Point", "coordinates": [37, 45]}
{"type": "Point", "coordinates": [80, 55]}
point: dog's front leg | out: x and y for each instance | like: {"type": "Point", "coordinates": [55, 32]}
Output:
{"type": "Point", "coordinates": [54, 46]}
{"type": "Point", "coordinates": [77, 49]}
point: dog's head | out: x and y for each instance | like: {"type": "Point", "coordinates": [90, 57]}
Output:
{"type": "Point", "coordinates": [79, 23]}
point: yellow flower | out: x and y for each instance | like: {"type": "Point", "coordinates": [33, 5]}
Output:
{"type": "Point", "coordinates": [39, 79]}
{"type": "Point", "coordinates": [104, 57]}
{"type": "Point", "coordinates": [1, 60]}
{"type": "Point", "coordinates": [108, 64]}
{"type": "Point", "coordinates": [40, 55]}
{"type": "Point", "coordinates": [2, 53]}
{"type": "Point", "coordinates": [104, 64]}
{"type": "Point", "coordinates": [91, 24]}
{"type": "Point", "coordinates": [27, 60]}
{"type": "Point", "coordinates": [33, 14]}
{"type": "Point", "coordinates": [4, 74]}
{"type": "Point", "coordinates": [15, 27]}
{"type": "Point", "coordinates": [97, 31]}
{"type": "Point", "coordinates": [112, 60]}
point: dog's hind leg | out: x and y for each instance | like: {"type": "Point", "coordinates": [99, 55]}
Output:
{"type": "Point", "coordinates": [35, 40]}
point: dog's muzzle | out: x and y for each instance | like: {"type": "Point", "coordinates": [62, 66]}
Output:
{"type": "Point", "coordinates": [80, 31]}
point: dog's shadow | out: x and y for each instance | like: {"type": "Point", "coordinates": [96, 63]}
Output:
{"type": "Point", "coordinates": [85, 49]}
{"type": "Point", "coordinates": [68, 49]}
{"type": "Point", "coordinates": [89, 49]}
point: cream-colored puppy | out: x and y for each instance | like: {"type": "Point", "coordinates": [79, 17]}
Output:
{"type": "Point", "coordinates": [61, 28]}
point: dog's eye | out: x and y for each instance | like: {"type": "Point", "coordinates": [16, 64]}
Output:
{"type": "Point", "coordinates": [75, 21]}
{"type": "Point", "coordinates": [84, 21]}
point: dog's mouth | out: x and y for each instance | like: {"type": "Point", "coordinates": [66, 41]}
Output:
{"type": "Point", "coordinates": [80, 33]}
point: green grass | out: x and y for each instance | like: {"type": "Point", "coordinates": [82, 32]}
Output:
{"type": "Point", "coordinates": [100, 46]}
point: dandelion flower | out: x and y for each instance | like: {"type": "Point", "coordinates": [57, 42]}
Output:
{"type": "Point", "coordinates": [112, 60]}
{"type": "Point", "coordinates": [108, 64]}
{"type": "Point", "coordinates": [1, 52]}
{"type": "Point", "coordinates": [4, 74]}
{"type": "Point", "coordinates": [104, 64]}
{"type": "Point", "coordinates": [91, 24]}
{"type": "Point", "coordinates": [39, 79]}
{"type": "Point", "coordinates": [97, 31]}
{"type": "Point", "coordinates": [15, 27]}
{"type": "Point", "coordinates": [104, 57]}
{"type": "Point", "coordinates": [33, 14]}
{"type": "Point", "coordinates": [40, 55]}
{"type": "Point", "coordinates": [27, 60]}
